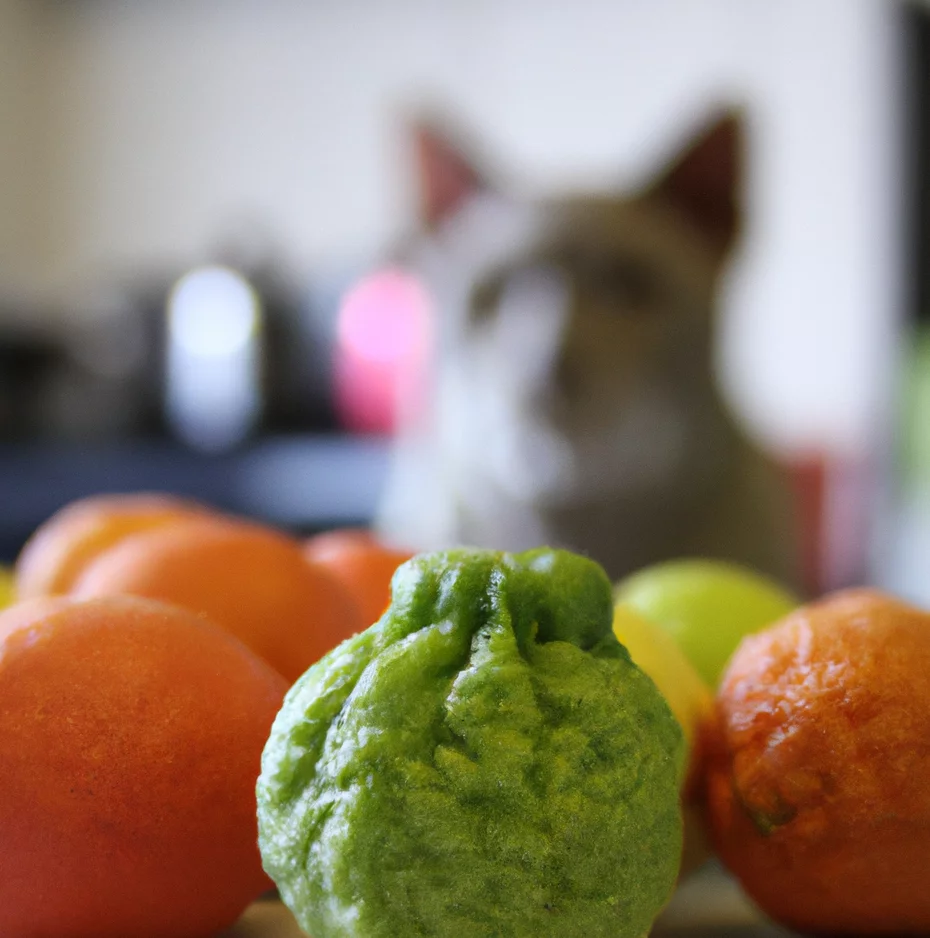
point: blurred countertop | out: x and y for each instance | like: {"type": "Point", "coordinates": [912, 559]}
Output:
{"type": "Point", "coordinates": [304, 483]}
{"type": "Point", "coordinates": [708, 904]}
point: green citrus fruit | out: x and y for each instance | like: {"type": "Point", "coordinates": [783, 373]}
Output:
{"type": "Point", "coordinates": [484, 760]}
{"type": "Point", "coordinates": [707, 606]}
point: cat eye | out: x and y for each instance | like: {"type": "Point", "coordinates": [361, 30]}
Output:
{"type": "Point", "coordinates": [521, 288]}
{"type": "Point", "coordinates": [625, 284]}
{"type": "Point", "coordinates": [484, 300]}
{"type": "Point", "coordinates": [621, 283]}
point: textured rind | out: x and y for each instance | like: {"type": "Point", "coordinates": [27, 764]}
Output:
{"type": "Point", "coordinates": [485, 761]}
{"type": "Point", "coordinates": [817, 780]}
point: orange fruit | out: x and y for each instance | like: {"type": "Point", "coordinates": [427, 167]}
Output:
{"type": "Point", "coordinates": [59, 549]}
{"type": "Point", "coordinates": [131, 735]}
{"type": "Point", "coordinates": [250, 580]}
{"type": "Point", "coordinates": [361, 563]}
{"type": "Point", "coordinates": [817, 781]}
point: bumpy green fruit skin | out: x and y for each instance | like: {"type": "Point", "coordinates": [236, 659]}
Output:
{"type": "Point", "coordinates": [483, 761]}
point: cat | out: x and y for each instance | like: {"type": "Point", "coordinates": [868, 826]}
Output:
{"type": "Point", "coordinates": [573, 400]}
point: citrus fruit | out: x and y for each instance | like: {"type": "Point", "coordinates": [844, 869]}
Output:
{"type": "Point", "coordinates": [817, 793]}
{"type": "Point", "coordinates": [7, 587]}
{"type": "Point", "coordinates": [483, 760]}
{"type": "Point", "coordinates": [690, 700]}
{"type": "Point", "coordinates": [361, 563]}
{"type": "Point", "coordinates": [706, 605]}
{"type": "Point", "coordinates": [251, 580]}
{"type": "Point", "coordinates": [657, 653]}
{"type": "Point", "coordinates": [59, 549]}
{"type": "Point", "coordinates": [130, 739]}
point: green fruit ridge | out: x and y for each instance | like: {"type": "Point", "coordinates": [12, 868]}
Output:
{"type": "Point", "coordinates": [485, 760]}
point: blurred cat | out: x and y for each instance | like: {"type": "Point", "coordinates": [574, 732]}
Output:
{"type": "Point", "coordinates": [573, 398]}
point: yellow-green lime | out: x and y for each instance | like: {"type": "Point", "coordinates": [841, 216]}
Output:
{"type": "Point", "coordinates": [7, 587]}
{"type": "Point", "coordinates": [689, 698]}
{"type": "Point", "coordinates": [707, 606]}
{"type": "Point", "coordinates": [657, 653]}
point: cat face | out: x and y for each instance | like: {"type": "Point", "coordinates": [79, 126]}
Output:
{"type": "Point", "coordinates": [575, 333]}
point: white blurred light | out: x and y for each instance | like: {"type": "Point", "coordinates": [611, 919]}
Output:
{"type": "Point", "coordinates": [213, 312]}
{"type": "Point", "coordinates": [213, 360]}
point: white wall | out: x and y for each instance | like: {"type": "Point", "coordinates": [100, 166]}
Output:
{"type": "Point", "coordinates": [19, 36]}
{"type": "Point", "coordinates": [165, 122]}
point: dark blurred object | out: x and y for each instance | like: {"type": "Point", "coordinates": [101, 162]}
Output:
{"type": "Point", "coordinates": [240, 356]}
{"type": "Point", "coordinates": [215, 353]}
{"type": "Point", "coordinates": [916, 198]}
{"type": "Point", "coordinates": [213, 356]}
{"type": "Point", "coordinates": [297, 359]}
{"type": "Point", "coordinates": [64, 374]}
{"type": "Point", "coordinates": [27, 362]}
{"type": "Point", "coordinates": [902, 549]}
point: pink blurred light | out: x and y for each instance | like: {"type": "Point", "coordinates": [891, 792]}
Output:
{"type": "Point", "coordinates": [383, 340]}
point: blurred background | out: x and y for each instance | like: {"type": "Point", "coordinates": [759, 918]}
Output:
{"type": "Point", "coordinates": [190, 192]}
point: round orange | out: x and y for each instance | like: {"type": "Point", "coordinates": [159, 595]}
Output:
{"type": "Point", "coordinates": [361, 563]}
{"type": "Point", "coordinates": [817, 782]}
{"type": "Point", "coordinates": [62, 546]}
{"type": "Point", "coordinates": [130, 738]}
{"type": "Point", "coordinates": [250, 580]}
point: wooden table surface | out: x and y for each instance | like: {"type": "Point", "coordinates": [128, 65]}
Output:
{"type": "Point", "coordinates": [707, 905]}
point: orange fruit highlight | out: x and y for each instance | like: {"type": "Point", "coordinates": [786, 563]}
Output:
{"type": "Point", "coordinates": [250, 580]}
{"type": "Point", "coordinates": [62, 546]}
{"type": "Point", "coordinates": [817, 783]}
{"type": "Point", "coordinates": [361, 563]}
{"type": "Point", "coordinates": [131, 735]}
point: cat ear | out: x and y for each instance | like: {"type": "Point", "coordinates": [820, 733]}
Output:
{"type": "Point", "coordinates": [445, 175]}
{"type": "Point", "coordinates": [704, 182]}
